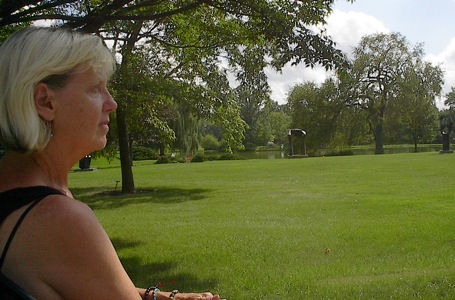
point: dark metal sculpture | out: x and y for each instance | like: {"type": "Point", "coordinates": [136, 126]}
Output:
{"type": "Point", "coordinates": [445, 125]}
{"type": "Point", "coordinates": [300, 133]}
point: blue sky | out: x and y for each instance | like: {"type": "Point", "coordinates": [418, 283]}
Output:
{"type": "Point", "coordinates": [428, 21]}
{"type": "Point", "coordinates": [431, 22]}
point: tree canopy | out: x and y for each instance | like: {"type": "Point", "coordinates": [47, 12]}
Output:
{"type": "Point", "coordinates": [387, 69]}
{"type": "Point", "coordinates": [189, 48]}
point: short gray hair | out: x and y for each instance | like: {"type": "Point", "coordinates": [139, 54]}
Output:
{"type": "Point", "coordinates": [48, 55]}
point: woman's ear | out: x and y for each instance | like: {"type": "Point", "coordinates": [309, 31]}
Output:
{"type": "Point", "coordinates": [43, 101]}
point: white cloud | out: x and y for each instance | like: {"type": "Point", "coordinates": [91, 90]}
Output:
{"type": "Point", "coordinates": [446, 59]}
{"type": "Point", "coordinates": [346, 29]}
{"type": "Point", "coordinates": [281, 83]}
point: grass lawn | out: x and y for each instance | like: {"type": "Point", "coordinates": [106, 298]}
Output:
{"type": "Point", "coordinates": [353, 227]}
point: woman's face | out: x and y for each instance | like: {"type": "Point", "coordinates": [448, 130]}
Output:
{"type": "Point", "coordinates": [83, 106]}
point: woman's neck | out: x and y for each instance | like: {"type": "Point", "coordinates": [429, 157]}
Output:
{"type": "Point", "coordinates": [21, 170]}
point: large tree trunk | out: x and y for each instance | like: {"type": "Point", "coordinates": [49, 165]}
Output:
{"type": "Point", "coordinates": [162, 149]}
{"type": "Point", "coordinates": [125, 159]}
{"type": "Point", "coordinates": [415, 137]}
{"type": "Point", "coordinates": [122, 128]}
{"type": "Point", "coordinates": [378, 139]}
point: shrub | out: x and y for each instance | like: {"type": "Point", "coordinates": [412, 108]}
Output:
{"type": "Point", "coordinates": [210, 142]}
{"type": "Point", "coordinates": [143, 153]}
{"type": "Point", "coordinates": [229, 156]}
{"type": "Point", "coordinates": [346, 152]}
{"type": "Point", "coordinates": [211, 157]}
{"type": "Point", "coordinates": [162, 160]}
{"type": "Point", "coordinates": [198, 158]}
{"type": "Point", "coordinates": [340, 153]}
{"type": "Point", "coordinates": [250, 147]}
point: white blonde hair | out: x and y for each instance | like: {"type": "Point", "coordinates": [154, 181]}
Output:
{"type": "Point", "coordinates": [33, 55]}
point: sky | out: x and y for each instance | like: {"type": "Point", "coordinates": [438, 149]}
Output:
{"type": "Point", "coordinates": [431, 22]}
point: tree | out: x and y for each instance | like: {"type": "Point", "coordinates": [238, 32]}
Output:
{"type": "Point", "coordinates": [380, 63]}
{"type": "Point", "coordinates": [187, 132]}
{"type": "Point", "coordinates": [189, 38]}
{"type": "Point", "coordinates": [251, 102]}
{"type": "Point", "coordinates": [273, 124]}
{"type": "Point", "coordinates": [423, 83]}
{"type": "Point", "coordinates": [315, 110]}
{"type": "Point", "coordinates": [194, 42]}
{"type": "Point", "coordinates": [280, 122]}
{"type": "Point", "coordinates": [450, 98]}
{"type": "Point", "coordinates": [351, 129]}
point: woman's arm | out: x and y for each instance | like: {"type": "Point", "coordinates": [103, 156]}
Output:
{"type": "Point", "coordinates": [71, 255]}
{"type": "Point", "coordinates": [75, 259]}
{"type": "Point", "coordinates": [180, 296]}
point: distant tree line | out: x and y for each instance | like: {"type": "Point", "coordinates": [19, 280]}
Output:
{"type": "Point", "coordinates": [386, 95]}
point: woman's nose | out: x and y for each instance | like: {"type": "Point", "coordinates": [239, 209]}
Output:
{"type": "Point", "coordinates": [109, 105]}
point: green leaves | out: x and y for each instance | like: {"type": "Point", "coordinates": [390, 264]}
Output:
{"type": "Point", "coordinates": [450, 98]}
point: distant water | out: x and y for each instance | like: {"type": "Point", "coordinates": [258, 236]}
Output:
{"type": "Point", "coordinates": [363, 151]}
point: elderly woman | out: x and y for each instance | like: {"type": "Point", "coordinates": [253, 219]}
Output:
{"type": "Point", "coordinates": [55, 107]}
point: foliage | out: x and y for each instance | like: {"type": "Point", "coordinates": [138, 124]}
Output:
{"type": "Point", "coordinates": [210, 157]}
{"type": "Point", "coordinates": [140, 88]}
{"type": "Point", "coordinates": [340, 153]}
{"type": "Point", "coordinates": [351, 129]}
{"type": "Point", "coordinates": [163, 160]}
{"type": "Point", "coordinates": [251, 102]}
{"type": "Point", "coordinates": [418, 107]}
{"type": "Point", "coordinates": [143, 153]}
{"type": "Point", "coordinates": [187, 132]}
{"type": "Point", "coordinates": [280, 122]}
{"type": "Point", "coordinates": [315, 110]}
{"type": "Point", "coordinates": [229, 118]}
{"type": "Point", "coordinates": [182, 43]}
{"type": "Point", "coordinates": [388, 91]}
{"type": "Point", "coordinates": [272, 125]}
{"type": "Point", "coordinates": [450, 98]}
{"type": "Point", "coordinates": [386, 69]}
{"type": "Point", "coordinates": [210, 142]}
{"type": "Point", "coordinates": [444, 113]}
{"type": "Point", "coordinates": [229, 156]}
{"type": "Point", "coordinates": [198, 158]}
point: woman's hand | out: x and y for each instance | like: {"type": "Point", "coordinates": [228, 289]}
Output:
{"type": "Point", "coordinates": [189, 296]}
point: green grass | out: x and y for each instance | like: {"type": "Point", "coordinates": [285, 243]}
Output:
{"type": "Point", "coordinates": [258, 229]}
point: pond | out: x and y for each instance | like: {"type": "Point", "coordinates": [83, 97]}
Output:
{"type": "Point", "coordinates": [356, 151]}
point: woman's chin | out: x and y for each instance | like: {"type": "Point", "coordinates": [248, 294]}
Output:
{"type": "Point", "coordinates": [99, 145]}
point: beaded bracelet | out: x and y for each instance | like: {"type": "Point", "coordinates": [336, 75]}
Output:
{"type": "Point", "coordinates": [172, 295]}
{"type": "Point", "coordinates": [152, 289]}
{"type": "Point", "coordinates": [154, 292]}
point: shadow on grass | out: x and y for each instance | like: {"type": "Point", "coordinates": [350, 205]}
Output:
{"type": "Point", "coordinates": [159, 273]}
{"type": "Point", "coordinates": [100, 198]}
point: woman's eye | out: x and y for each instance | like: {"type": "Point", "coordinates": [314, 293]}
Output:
{"type": "Point", "coordinates": [96, 89]}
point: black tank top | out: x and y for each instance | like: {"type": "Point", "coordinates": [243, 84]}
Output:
{"type": "Point", "coordinates": [10, 201]}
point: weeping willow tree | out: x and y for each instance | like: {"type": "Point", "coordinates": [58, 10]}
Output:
{"type": "Point", "coordinates": [187, 132]}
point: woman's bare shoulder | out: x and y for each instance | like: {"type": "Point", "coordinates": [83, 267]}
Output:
{"type": "Point", "coordinates": [63, 241]}
{"type": "Point", "coordinates": [60, 208]}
